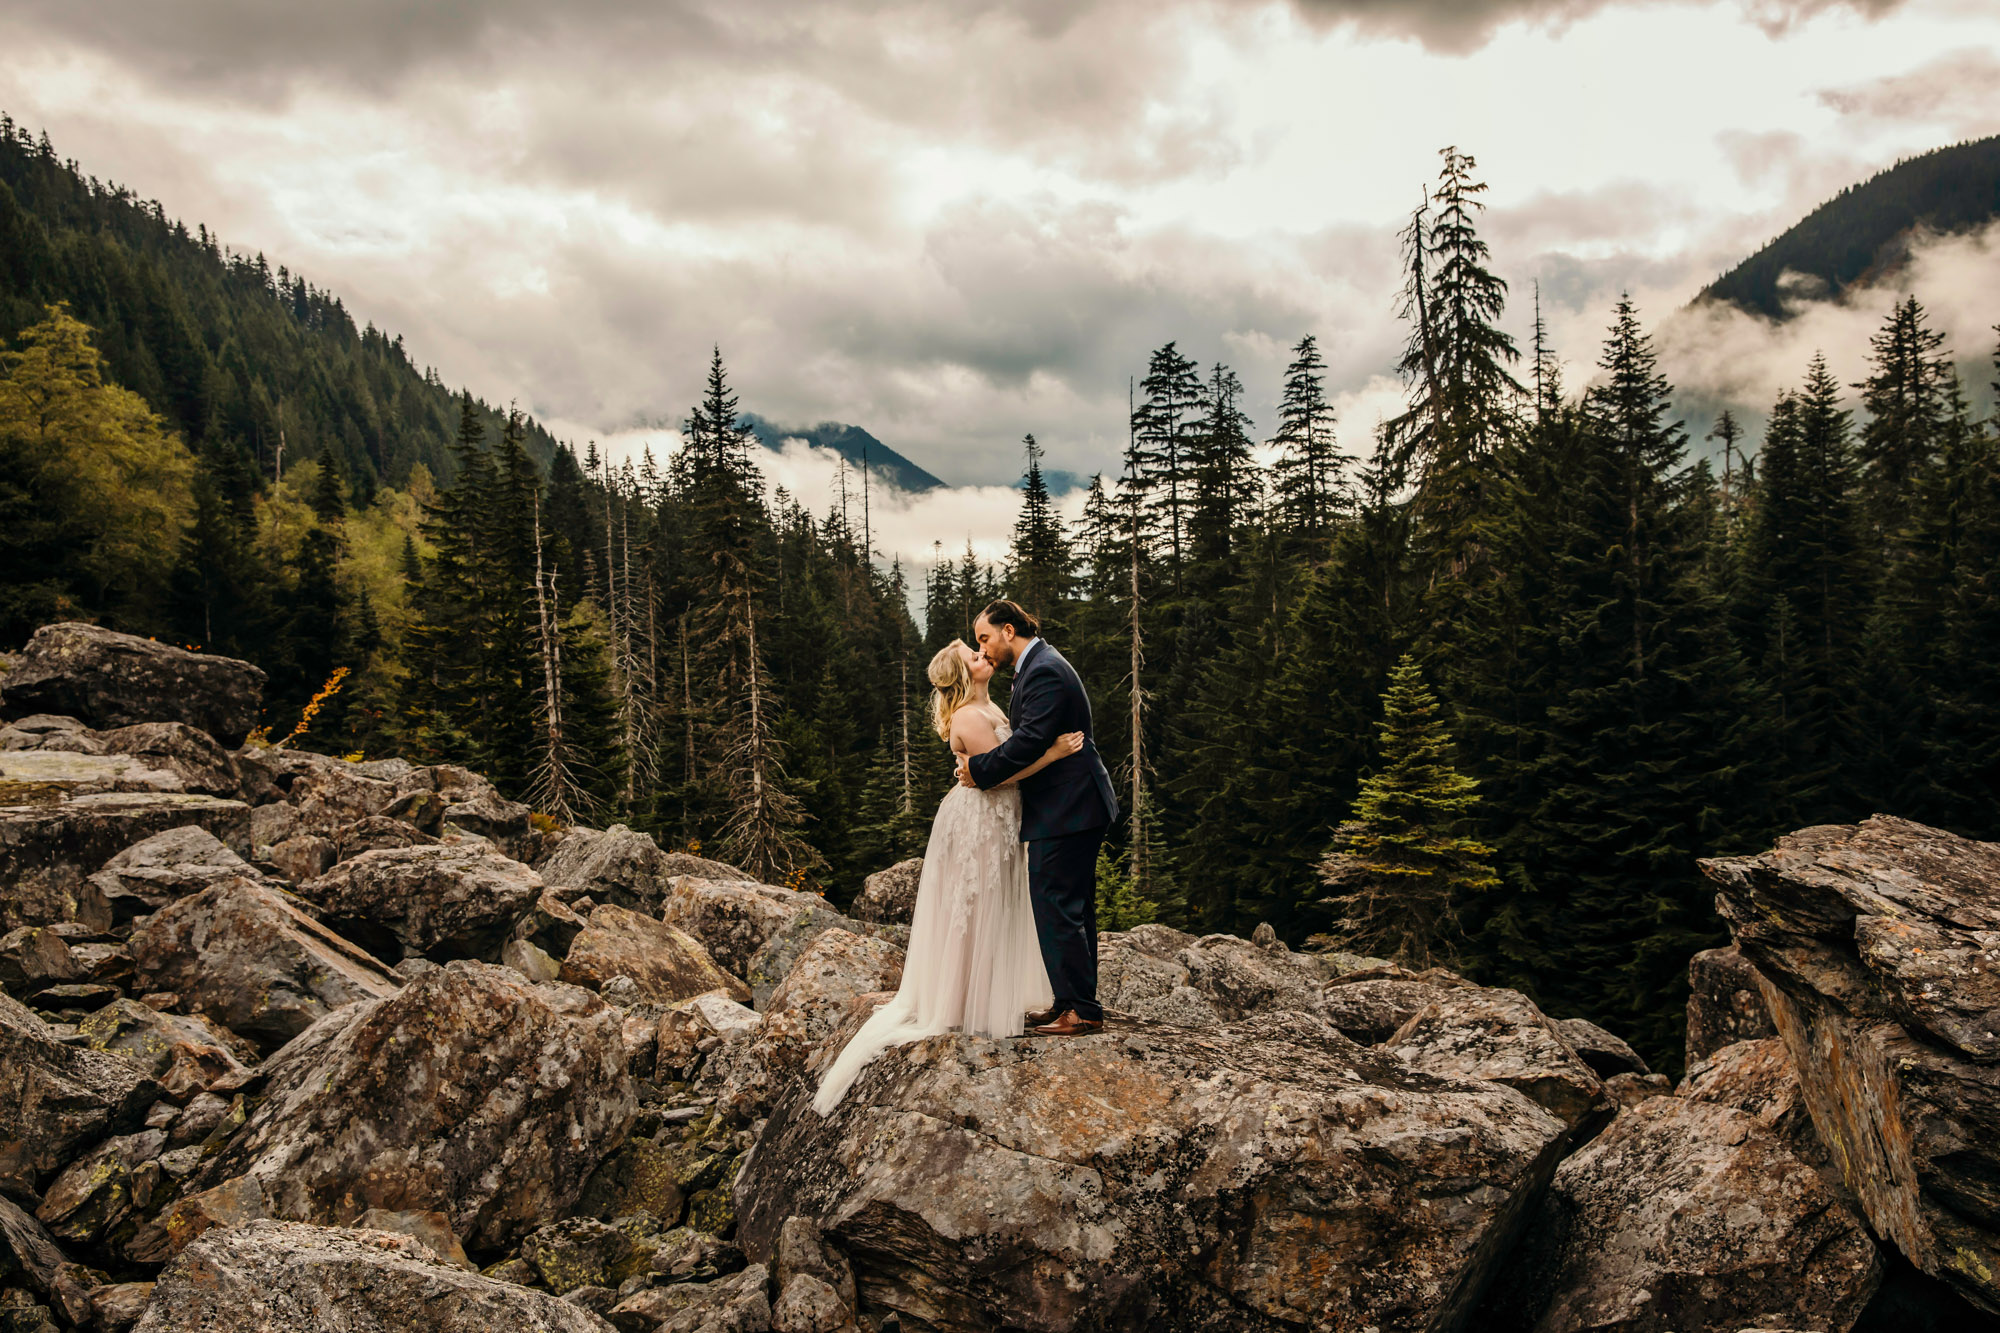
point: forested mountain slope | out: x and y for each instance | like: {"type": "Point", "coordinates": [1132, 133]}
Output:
{"type": "Point", "coordinates": [231, 353]}
{"type": "Point", "coordinates": [1862, 229]}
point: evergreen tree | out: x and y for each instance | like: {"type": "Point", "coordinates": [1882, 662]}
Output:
{"type": "Point", "coordinates": [1160, 457]}
{"type": "Point", "coordinates": [1401, 868]}
{"type": "Point", "coordinates": [1308, 480]}
{"type": "Point", "coordinates": [1905, 398]}
{"type": "Point", "coordinates": [1039, 560]}
{"type": "Point", "coordinates": [1226, 484]}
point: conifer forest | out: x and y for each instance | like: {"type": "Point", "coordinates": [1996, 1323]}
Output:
{"type": "Point", "coordinates": [1476, 688]}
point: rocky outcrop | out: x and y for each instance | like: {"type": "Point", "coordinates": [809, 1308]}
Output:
{"type": "Point", "coordinates": [731, 919]}
{"type": "Point", "coordinates": [192, 756]}
{"type": "Point", "coordinates": [780, 953]}
{"type": "Point", "coordinates": [1688, 1217]}
{"type": "Point", "coordinates": [1874, 944]}
{"type": "Point", "coordinates": [1725, 1003]}
{"type": "Point", "coordinates": [616, 866]}
{"type": "Point", "coordinates": [56, 1099]}
{"type": "Point", "coordinates": [165, 868]}
{"type": "Point", "coordinates": [441, 902]}
{"type": "Point", "coordinates": [108, 679]}
{"type": "Point", "coordinates": [472, 1092]}
{"type": "Point", "coordinates": [1139, 1178]}
{"type": "Point", "coordinates": [665, 964]}
{"type": "Point", "coordinates": [285, 1275]}
{"type": "Point", "coordinates": [246, 955]}
{"type": "Point", "coordinates": [819, 993]}
{"type": "Point", "coordinates": [890, 895]}
{"type": "Point", "coordinates": [1499, 1035]}
{"type": "Point", "coordinates": [49, 851]}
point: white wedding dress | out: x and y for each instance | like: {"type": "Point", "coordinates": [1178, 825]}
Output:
{"type": "Point", "coordinates": [974, 964]}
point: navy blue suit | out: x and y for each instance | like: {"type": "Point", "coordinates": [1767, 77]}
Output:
{"type": "Point", "coordinates": [1066, 809]}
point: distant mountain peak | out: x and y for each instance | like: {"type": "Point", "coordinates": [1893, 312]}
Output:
{"type": "Point", "coordinates": [1864, 232]}
{"type": "Point", "coordinates": [849, 442]}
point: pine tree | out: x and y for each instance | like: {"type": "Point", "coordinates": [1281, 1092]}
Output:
{"type": "Point", "coordinates": [1905, 398]}
{"type": "Point", "coordinates": [1226, 484]}
{"type": "Point", "coordinates": [1809, 554]}
{"type": "Point", "coordinates": [1039, 560]}
{"type": "Point", "coordinates": [1308, 478]}
{"type": "Point", "coordinates": [1401, 868]}
{"type": "Point", "coordinates": [1162, 446]}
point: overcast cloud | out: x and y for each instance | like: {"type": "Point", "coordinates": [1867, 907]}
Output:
{"type": "Point", "coordinates": [954, 224]}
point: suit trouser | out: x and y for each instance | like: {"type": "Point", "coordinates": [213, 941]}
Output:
{"type": "Point", "coordinates": [1062, 881]}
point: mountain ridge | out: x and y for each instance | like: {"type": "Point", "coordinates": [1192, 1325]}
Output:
{"type": "Point", "coordinates": [1864, 230]}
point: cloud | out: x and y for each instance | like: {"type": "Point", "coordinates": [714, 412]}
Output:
{"type": "Point", "coordinates": [1959, 92]}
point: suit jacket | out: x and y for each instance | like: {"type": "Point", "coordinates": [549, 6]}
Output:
{"type": "Point", "coordinates": [1072, 795]}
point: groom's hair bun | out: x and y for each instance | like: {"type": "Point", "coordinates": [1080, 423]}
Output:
{"type": "Point", "coordinates": [1004, 612]}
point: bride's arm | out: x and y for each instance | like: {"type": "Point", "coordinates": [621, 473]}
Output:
{"type": "Point", "coordinates": [1061, 748]}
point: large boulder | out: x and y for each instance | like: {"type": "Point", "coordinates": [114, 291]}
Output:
{"type": "Point", "coordinates": [616, 865]}
{"type": "Point", "coordinates": [187, 1053]}
{"type": "Point", "coordinates": [107, 679]}
{"type": "Point", "coordinates": [1758, 1078]}
{"type": "Point", "coordinates": [1725, 1003]}
{"type": "Point", "coordinates": [890, 895]}
{"type": "Point", "coordinates": [666, 964]}
{"type": "Point", "coordinates": [1139, 974]}
{"type": "Point", "coordinates": [193, 757]}
{"type": "Point", "coordinates": [166, 867]}
{"type": "Point", "coordinates": [732, 919]}
{"type": "Point", "coordinates": [775, 958]}
{"type": "Point", "coordinates": [1687, 1217]}
{"type": "Point", "coordinates": [49, 851]}
{"type": "Point", "coordinates": [246, 955]}
{"type": "Point", "coordinates": [1262, 1175]}
{"type": "Point", "coordinates": [1371, 1005]}
{"type": "Point", "coordinates": [1874, 943]}
{"type": "Point", "coordinates": [56, 1099]}
{"type": "Point", "coordinates": [268, 1275]}
{"type": "Point", "coordinates": [821, 990]}
{"type": "Point", "coordinates": [440, 902]}
{"type": "Point", "coordinates": [473, 1093]}
{"type": "Point", "coordinates": [1499, 1035]}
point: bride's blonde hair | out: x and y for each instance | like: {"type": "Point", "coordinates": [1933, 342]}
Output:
{"type": "Point", "coordinates": [951, 681]}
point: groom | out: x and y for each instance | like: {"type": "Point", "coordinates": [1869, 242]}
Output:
{"type": "Point", "coordinates": [1066, 809]}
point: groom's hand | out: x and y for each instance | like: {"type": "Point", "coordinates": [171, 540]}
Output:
{"type": "Point", "coordinates": [965, 773]}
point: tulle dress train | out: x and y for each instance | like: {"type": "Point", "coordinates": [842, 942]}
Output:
{"type": "Point", "coordinates": [974, 963]}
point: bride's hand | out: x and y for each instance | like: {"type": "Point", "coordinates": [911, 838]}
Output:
{"type": "Point", "coordinates": [1066, 745]}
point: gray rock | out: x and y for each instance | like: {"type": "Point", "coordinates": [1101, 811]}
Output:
{"type": "Point", "coordinates": [247, 956]}
{"type": "Point", "coordinates": [617, 866]}
{"type": "Point", "coordinates": [106, 679]}
{"type": "Point", "coordinates": [1499, 1035]}
{"type": "Point", "coordinates": [890, 895]}
{"type": "Point", "coordinates": [1149, 983]}
{"type": "Point", "coordinates": [1079, 1182]}
{"type": "Point", "coordinates": [1687, 1217]}
{"type": "Point", "coordinates": [802, 1251]}
{"type": "Point", "coordinates": [301, 857]}
{"type": "Point", "coordinates": [776, 957]}
{"type": "Point", "coordinates": [471, 1092]}
{"type": "Point", "coordinates": [1759, 1079]}
{"type": "Point", "coordinates": [740, 1303]}
{"type": "Point", "coordinates": [664, 964]}
{"type": "Point", "coordinates": [48, 852]}
{"type": "Point", "coordinates": [187, 1053]}
{"type": "Point", "coordinates": [1602, 1051]}
{"type": "Point", "coordinates": [821, 990]}
{"type": "Point", "coordinates": [56, 1099]}
{"type": "Point", "coordinates": [439, 901]}
{"type": "Point", "coordinates": [192, 756]}
{"type": "Point", "coordinates": [1875, 944]}
{"type": "Point", "coordinates": [165, 868]}
{"type": "Point", "coordinates": [807, 1304]}
{"type": "Point", "coordinates": [116, 1306]}
{"type": "Point", "coordinates": [375, 833]}
{"type": "Point", "coordinates": [267, 1275]}
{"type": "Point", "coordinates": [28, 1255]}
{"type": "Point", "coordinates": [1725, 1003]}
{"type": "Point", "coordinates": [97, 1196]}
{"type": "Point", "coordinates": [431, 1227]}
{"type": "Point", "coordinates": [732, 920]}
{"type": "Point", "coordinates": [35, 957]}
{"type": "Point", "coordinates": [1371, 1004]}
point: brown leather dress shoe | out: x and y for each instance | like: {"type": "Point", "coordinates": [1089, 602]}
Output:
{"type": "Point", "coordinates": [1043, 1016]}
{"type": "Point", "coordinates": [1069, 1025]}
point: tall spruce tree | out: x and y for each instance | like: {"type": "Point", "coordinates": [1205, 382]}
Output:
{"type": "Point", "coordinates": [1308, 479]}
{"type": "Point", "coordinates": [1038, 562]}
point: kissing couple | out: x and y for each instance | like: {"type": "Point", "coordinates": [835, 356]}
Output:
{"type": "Point", "coordinates": [1006, 915]}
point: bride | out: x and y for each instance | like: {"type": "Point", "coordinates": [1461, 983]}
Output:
{"type": "Point", "coordinates": [974, 963]}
